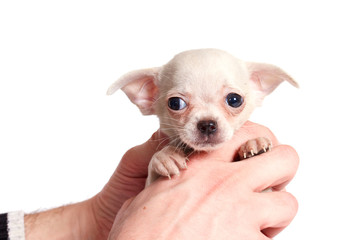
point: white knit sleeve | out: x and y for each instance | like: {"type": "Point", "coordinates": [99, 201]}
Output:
{"type": "Point", "coordinates": [16, 225]}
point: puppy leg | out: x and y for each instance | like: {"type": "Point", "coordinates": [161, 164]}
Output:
{"type": "Point", "coordinates": [254, 147]}
{"type": "Point", "coordinates": [167, 162]}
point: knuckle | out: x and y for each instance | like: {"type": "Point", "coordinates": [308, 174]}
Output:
{"type": "Point", "coordinates": [290, 202]}
{"type": "Point", "coordinates": [267, 132]}
{"type": "Point", "coordinates": [290, 155]}
{"type": "Point", "coordinates": [131, 153]}
{"type": "Point", "coordinates": [262, 131]}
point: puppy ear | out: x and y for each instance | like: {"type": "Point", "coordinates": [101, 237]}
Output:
{"type": "Point", "coordinates": [141, 88]}
{"type": "Point", "coordinates": [267, 77]}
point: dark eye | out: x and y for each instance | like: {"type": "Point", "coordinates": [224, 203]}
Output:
{"type": "Point", "coordinates": [176, 103]}
{"type": "Point", "coordinates": [234, 100]}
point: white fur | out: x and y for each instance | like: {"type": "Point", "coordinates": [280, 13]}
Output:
{"type": "Point", "coordinates": [202, 78]}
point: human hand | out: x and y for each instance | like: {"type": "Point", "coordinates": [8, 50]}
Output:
{"type": "Point", "coordinates": [126, 182]}
{"type": "Point", "coordinates": [215, 199]}
{"type": "Point", "coordinates": [93, 218]}
{"type": "Point", "coordinates": [129, 178]}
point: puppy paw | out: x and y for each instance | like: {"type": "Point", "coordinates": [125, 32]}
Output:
{"type": "Point", "coordinates": [254, 147]}
{"type": "Point", "coordinates": [167, 162]}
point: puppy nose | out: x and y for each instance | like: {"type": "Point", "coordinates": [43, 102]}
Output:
{"type": "Point", "coordinates": [207, 127]}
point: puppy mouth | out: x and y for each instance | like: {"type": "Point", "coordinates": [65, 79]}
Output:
{"type": "Point", "coordinates": [202, 143]}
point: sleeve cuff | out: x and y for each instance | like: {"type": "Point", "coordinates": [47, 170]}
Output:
{"type": "Point", "coordinates": [12, 226]}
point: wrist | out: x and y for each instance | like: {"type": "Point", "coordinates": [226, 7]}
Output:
{"type": "Point", "coordinates": [70, 222]}
{"type": "Point", "coordinates": [103, 218]}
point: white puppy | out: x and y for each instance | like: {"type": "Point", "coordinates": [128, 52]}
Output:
{"type": "Point", "coordinates": [201, 97]}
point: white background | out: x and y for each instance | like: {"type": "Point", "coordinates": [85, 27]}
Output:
{"type": "Point", "coordinates": [61, 137]}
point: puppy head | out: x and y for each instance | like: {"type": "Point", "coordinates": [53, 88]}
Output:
{"type": "Point", "coordinates": [201, 96]}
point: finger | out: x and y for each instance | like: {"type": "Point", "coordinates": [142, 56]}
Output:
{"type": "Point", "coordinates": [135, 161]}
{"type": "Point", "coordinates": [276, 212]}
{"type": "Point", "coordinates": [127, 203]}
{"type": "Point", "coordinates": [229, 150]}
{"type": "Point", "coordinates": [263, 237]}
{"type": "Point", "coordinates": [272, 232]}
{"type": "Point", "coordinates": [252, 130]}
{"type": "Point", "coordinates": [129, 177]}
{"type": "Point", "coordinates": [125, 206]}
{"type": "Point", "coordinates": [272, 169]}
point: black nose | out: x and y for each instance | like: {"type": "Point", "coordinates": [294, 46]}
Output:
{"type": "Point", "coordinates": [207, 127]}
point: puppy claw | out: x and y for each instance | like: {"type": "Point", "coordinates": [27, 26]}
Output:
{"type": "Point", "coordinates": [254, 147]}
{"type": "Point", "coordinates": [169, 177]}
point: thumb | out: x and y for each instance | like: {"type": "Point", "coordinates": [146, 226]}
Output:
{"type": "Point", "coordinates": [135, 161]}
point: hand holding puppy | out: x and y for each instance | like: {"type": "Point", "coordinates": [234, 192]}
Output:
{"type": "Point", "coordinates": [216, 198]}
{"type": "Point", "coordinates": [212, 191]}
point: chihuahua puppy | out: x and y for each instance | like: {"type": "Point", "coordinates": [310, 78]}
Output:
{"type": "Point", "coordinates": [201, 98]}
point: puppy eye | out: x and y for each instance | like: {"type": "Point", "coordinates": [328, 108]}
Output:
{"type": "Point", "coordinates": [176, 103]}
{"type": "Point", "coordinates": [234, 100]}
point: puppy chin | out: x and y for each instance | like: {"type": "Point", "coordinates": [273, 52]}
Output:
{"type": "Point", "coordinates": [206, 145]}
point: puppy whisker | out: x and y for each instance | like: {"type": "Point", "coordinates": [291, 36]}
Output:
{"type": "Point", "coordinates": [216, 93]}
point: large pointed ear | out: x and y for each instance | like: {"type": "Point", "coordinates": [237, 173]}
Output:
{"type": "Point", "coordinates": [267, 77]}
{"type": "Point", "coordinates": [141, 88]}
